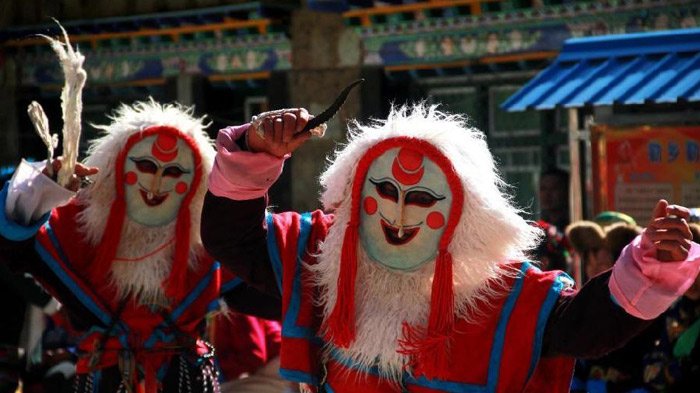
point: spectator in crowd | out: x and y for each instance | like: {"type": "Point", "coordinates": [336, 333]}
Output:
{"type": "Point", "coordinates": [553, 250]}
{"type": "Point", "coordinates": [608, 218]}
{"type": "Point", "coordinates": [554, 197]}
{"type": "Point", "coordinates": [588, 241]}
{"type": "Point", "coordinates": [665, 357]}
{"type": "Point", "coordinates": [599, 248]}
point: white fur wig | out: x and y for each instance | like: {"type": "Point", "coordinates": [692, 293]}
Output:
{"type": "Point", "coordinates": [490, 235]}
{"type": "Point", "coordinates": [491, 226]}
{"type": "Point", "coordinates": [129, 120]}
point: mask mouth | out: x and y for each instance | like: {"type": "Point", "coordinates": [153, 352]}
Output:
{"type": "Point", "coordinates": [151, 199]}
{"type": "Point", "coordinates": [391, 234]}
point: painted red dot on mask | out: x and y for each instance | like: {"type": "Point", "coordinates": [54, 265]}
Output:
{"type": "Point", "coordinates": [370, 205]}
{"type": "Point", "coordinates": [181, 187]}
{"type": "Point", "coordinates": [130, 178]}
{"type": "Point", "coordinates": [435, 220]}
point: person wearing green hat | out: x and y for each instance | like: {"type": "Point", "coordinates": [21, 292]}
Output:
{"type": "Point", "coordinates": [612, 217]}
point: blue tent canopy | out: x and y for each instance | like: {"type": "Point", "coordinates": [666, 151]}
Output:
{"type": "Point", "coordinates": [659, 67]}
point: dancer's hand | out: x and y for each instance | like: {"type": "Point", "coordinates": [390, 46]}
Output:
{"type": "Point", "coordinates": [281, 133]}
{"type": "Point", "coordinates": [669, 232]}
{"type": "Point", "coordinates": [79, 176]}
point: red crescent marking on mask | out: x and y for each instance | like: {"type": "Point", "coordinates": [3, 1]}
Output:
{"type": "Point", "coordinates": [165, 147]}
{"type": "Point", "coordinates": [370, 205]}
{"type": "Point", "coordinates": [408, 166]}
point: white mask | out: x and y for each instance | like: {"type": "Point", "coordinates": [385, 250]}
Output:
{"type": "Point", "coordinates": [406, 202]}
{"type": "Point", "coordinates": [158, 173]}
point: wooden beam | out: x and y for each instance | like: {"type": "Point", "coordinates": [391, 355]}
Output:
{"type": "Point", "coordinates": [511, 58]}
{"type": "Point", "coordinates": [140, 82]}
{"type": "Point", "coordinates": [136, 83]}
{"type": "Point", "coordinates": [470, 62]}
{"type": "Point", "coordinates": [239, 77]}
{"type": "Point", "coordinates": [407, 67]}
{"type": "Point", "coordinates": [474, 6]}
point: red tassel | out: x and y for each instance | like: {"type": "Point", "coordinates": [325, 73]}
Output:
{"type": "Point", "coordinates": [429, 355]}
{"type": "Point", "coordinates": [107, 249]}
{"type": "Point", "coordinates": [341, 323]}
{"type": "Point", "coordinates": [176, 279]}
{"type": "Point", "coordinates": [429, 348]}
{"type": "Point", "coordinates": [442, 296]}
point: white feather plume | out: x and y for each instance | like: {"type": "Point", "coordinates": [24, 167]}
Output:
{"type": "Point", "coordinates": [71, 102]}
{"type": "Point", "coordinates": [41, 126]}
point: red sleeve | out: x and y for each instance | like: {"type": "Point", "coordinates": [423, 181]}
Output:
{"type": "Point", "coordinates": [244, 343]}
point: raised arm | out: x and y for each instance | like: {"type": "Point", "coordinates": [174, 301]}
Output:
{"type": "Point", "coordinates": [31, 193]}
{"type": "Point", "coordinates": [233, 233]}
{"type": "Point", "coordinates": [651, 273]}
{"type": "Point", "coordinates": [25, 203]}
{"type": "Point", "coordinates": [247, 163]}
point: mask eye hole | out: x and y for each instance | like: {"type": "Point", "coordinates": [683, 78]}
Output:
{"type": "Point", "coordinates": [173, 171]}
{"type": "Point", "coordinates": [386, 189]}
{"type": "Point", "coordinates": [144, 165]}
{"type": "Point", "coordinates": [421, 198]}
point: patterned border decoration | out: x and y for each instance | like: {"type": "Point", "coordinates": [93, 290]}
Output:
{"type": "Point", "coordinates": [426, 42]}
{"type": "Point", "coordinates": [449, 39]}
{"type": "Point", "coordinates": [269, 52]}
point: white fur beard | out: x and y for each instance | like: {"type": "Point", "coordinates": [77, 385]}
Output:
{"type": "Point", "coordinates": [385, 299]}
{"type": "Point", "coordinates": [143, 278]}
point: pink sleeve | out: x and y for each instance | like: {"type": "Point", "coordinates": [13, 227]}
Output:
{"type": "Point", "coordinates": [644, 286]}
{"type": "Point", "coordinates": [241, 175]}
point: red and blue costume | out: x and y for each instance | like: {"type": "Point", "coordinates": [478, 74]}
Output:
{"type": "Point", "coordinates": [526, 335]}
{"type": "Point", "coordinates": [116, 335]}
{"type": "Point", "coordinates": [510, 332]}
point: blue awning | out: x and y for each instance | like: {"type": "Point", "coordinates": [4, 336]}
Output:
{"type": "Point", "coordinates": [660, 67]}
